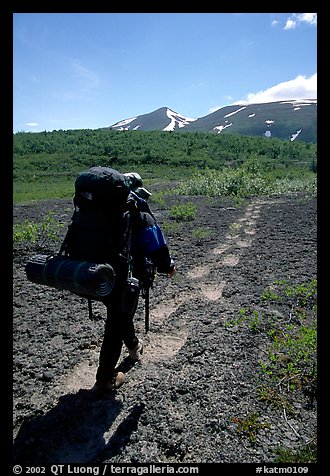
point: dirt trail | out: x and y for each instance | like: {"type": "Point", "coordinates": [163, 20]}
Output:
{"type": "Point", "coordinates": [196, 374]}
{"type": "Point", "coordinates": [165, 346]}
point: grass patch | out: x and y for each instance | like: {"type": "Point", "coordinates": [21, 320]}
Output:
{"type": "Point", "coordinates": [47, 229]}
{"type": "Point", "coordinates": [201, 233]}
{"type": "Point", "coordinates": [307, 454]}
{"type": "Point", "coordinates": [183, 212]}
{"type": "Point", "coordinates": [46, 189]}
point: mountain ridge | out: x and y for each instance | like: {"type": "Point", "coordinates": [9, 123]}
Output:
{"type": "Point", "coordinates": [289, 119]}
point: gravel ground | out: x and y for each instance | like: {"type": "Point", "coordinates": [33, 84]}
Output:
{"type": "Point", "coordinates": [199, 375]}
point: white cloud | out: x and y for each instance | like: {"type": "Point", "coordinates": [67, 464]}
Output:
{"type": "Point", "coordinates": [297, 18]}
{"type": "Point", "coordinates": [290, 24]}
{"type": "Point", "coordinates": [31, 124]}
{"type": "Point", "coordinates": [298, 88]}
{"type": "Point", "coordinates": [310, 18]}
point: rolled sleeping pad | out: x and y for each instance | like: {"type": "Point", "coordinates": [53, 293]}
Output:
{"type": "Point", "coordinates": [91, 280]}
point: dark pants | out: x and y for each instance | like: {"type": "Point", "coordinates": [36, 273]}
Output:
{"type": "Point", "coordinates": [119, 329]}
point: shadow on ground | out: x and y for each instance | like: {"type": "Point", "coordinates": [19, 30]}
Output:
{"type": "Point", "coordinates": [79, 429]}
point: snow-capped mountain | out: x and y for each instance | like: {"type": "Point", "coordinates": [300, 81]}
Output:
{"type": "Point", "coordinates": [290, 120]}
{"type": "Point", "coordinates": [164, 119]}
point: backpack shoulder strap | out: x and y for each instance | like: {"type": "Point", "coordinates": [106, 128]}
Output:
{"type": "Point", "coordinates": [130, 215]}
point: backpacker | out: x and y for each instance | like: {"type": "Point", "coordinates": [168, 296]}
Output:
{"type": "Point", "coordinates": [97, 250]}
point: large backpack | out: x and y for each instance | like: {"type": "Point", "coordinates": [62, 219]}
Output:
{"type": "Point", "coordinates": [97, 226]}
{"type": "Point", "coordinates": [106, 209]}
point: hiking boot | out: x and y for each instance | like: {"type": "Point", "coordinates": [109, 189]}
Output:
{"type": "Point", "coordinates": [136, 353]}
{"type": "Point", "coordinates": [101, 389]}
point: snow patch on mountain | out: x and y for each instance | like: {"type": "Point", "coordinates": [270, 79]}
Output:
{"type": "Point", "coordinates": [176, 120]}
{"type": "Point", "coordinates": [304, 102]}
{"type": "Point", "coordinates": [221, 128]}
{"type": "Point", "coordinates": [120, 125]}
{"type": "Point", "coordinates": [294, 136]}
{"type": "Point", "coordinates": [235, 112]}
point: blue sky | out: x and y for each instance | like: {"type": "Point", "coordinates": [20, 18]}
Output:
{"type": "Point", "coordinates": [91, 70]}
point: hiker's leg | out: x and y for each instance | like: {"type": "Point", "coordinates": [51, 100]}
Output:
{"type": "Point", "coordinates": [129, 336]}
{"type": "Point", "coordinates": [119, 328]}
{"type": "Point", "coordinates": [111, 346]}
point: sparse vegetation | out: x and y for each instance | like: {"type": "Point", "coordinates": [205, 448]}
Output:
{"type": "Point", "coordinates": [183, 212]}
{"type": "Point", "coordinates": [290, 356]}
{"type": "Point", "coordinates": [250, 425]}
{"type": "Point", "coordinates": [46, 229]}
{"type": "Point", "coordinates": [289, 363]}
{"type": "Point", "coordinates": [201, 233]}
{"type": "Point", "coordinates": [307, 454]}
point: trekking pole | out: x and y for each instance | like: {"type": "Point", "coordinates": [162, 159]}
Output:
{"type": "Point", "coordinates": [90, 309]}
{"type": "Point", "coordinates": [146, 297]}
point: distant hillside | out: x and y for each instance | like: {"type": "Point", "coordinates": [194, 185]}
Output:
{"type": "Point", "coordinates": [64, 153]}
{"type": "Point", "coordinates": [288, 120]}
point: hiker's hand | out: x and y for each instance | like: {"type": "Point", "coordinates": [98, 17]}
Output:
{"type": "Point", "coordinates": [171, 273]}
